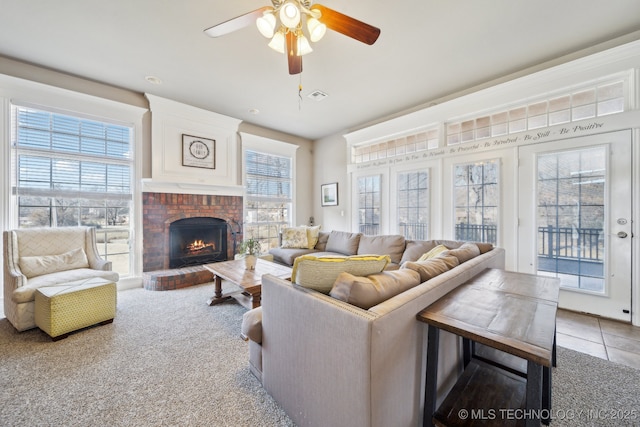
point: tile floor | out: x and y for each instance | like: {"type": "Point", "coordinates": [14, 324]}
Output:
{"type": "Point", "coordinates": [607, 339]}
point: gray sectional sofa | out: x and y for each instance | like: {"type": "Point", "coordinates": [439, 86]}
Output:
{"type": "Point", "coordinates": [329, 362]}
{"type": "Point", "coordinates": [346, 243]}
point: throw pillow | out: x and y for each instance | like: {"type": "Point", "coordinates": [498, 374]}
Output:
{"type": "Point", "coordinates": [415, 249]}
{"type": "Point", "coordinates": [319, 273]}
{"type": "Point", "coordinates": [433, 252]}
{"type": "Point", "coordinates": [32, 266]}
{"type": "Point", "coordinates": [432, 267]}
{"type": "Point", "coordinates": [465, 252]}
{"type": "Point", "coordinates": [251, 328]}
{"type": "Point", "coordinates": [313, 233]}
{"type": "Point", "coordinates": [365, 292]}
{"type": "Point", "coordinates": [294, 237]}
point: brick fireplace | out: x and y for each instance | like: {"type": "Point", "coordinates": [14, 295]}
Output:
{"type": "Point", "coordinates": [161, 209]}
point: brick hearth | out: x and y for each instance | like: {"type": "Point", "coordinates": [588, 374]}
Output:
{"type": "Point", "coordinates": [161, 209]}
{"type": "Point", "coordinates": [166, 280]}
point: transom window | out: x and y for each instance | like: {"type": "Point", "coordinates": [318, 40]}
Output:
{"type": "Point", "coordinates": [585, 103]}
{"type": "Point", "coordinates": [422, 141]}
{"type": "Point", "coordinates": [71, 171]}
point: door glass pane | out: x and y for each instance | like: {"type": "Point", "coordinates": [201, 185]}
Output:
{"type": "Point", "coordinates": [413, 204]}
{"type": "Point", "coordinates": [570, 217]}
{"type": "Point", "coordinates": [369, 204]}
{"type": "Point", "coordinates": [476, 196]}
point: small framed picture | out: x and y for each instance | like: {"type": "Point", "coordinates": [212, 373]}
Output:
{"type": "Point", "coordinates": [329, 194]}
{"type": "Point", "coordinates": [198, 152]}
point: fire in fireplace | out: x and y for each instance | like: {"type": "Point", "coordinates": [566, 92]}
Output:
{"type": "Point", "coordinates": [198, 240]}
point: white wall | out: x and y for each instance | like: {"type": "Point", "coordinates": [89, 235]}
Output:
{"type": "Point", "coordinates": [330, 165]}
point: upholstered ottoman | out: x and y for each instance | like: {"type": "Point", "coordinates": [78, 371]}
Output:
{"type": "Point", "coordinates": [75, 305]}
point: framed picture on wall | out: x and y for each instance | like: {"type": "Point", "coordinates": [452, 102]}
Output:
{"type": "Point", "coordinates": [198, 152]}
{"type": "Point", "coordinates": [329, 194]}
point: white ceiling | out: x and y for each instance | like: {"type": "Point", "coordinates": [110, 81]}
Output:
{"type": "Point", "coordinates": [427, 49]}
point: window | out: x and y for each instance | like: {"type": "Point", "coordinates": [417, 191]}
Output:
{"type": "Point", "coordinates": [71, 171]}
{"type": "Point", "coordinates": [422, 141]}
{"type": "Point", "coordinates": [413, 204]}
{"type": "Point", "coordinates": [476, 195]}
{"type": "Point", "coordinates": [571, 216]}
{"type": "Point", "coordinates": [369, 204]}
{"type": "Point", "coordinates": [268, 201]}
{"type": "Point", "coordinates": [585, 103]}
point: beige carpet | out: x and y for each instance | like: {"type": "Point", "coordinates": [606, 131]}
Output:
{"type": "Point", "coordinates": [171, 360]}
{"type": "Point", "coordinates": [168, 359]}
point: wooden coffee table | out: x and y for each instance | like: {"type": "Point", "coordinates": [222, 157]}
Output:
{"type": "Point", "coordinates": [250, 281]}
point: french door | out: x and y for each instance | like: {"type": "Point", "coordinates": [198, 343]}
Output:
{"type": "Point", "coordinates": [575, 220]}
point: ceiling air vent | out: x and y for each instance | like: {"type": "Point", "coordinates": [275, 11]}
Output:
{"type": "Point", "coordinates": [317, 95]}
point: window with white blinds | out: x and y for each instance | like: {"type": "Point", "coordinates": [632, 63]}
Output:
{"type": "Point", "coordinates": [70, 171]}
{"type": "Point", "coordinates": [268, 196]}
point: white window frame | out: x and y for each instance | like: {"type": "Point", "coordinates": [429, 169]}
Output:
{"type": "Point", "coordinates": [273, 147]}
{"type": "Point", "coordinates": [23, 92]}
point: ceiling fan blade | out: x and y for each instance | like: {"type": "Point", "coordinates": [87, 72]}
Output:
{"type": "Point", "coordinates": [348, 26]}
{"type": "Point", "coordinates": [293, 58]}
{"type": "Point", "coordinates": [236, 23]}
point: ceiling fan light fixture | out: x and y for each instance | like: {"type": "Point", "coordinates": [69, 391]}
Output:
{"type": "Point", "coordinates": [316, 29]}
{"type": "Point", "coordinates": [277, 42]}
{"type": "Point", "coordinates": [290, 15]}
{"type": "Point", "coordinates": [266, 24]}
{"type": "Point", "coordinates": [303, 45]}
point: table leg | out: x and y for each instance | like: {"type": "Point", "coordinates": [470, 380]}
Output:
{"type": "Point", "coordinates": [256, 300]}
{"type": "Point", "coordinates": [467, 350]}
{"type": "Point", "coordinates": [534, 393]}
{"type": "Point", "coordinates": [546, 394]}
{"type": "Point", "coordinates": [218, 298]}
{"type": "Point", "coordinates": [431, 380]}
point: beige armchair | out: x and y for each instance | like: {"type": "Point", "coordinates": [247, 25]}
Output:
{"type": "Point", "coordinates": [37, 257]}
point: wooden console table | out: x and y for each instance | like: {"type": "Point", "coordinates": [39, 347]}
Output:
{"type": "Point", "coordinates": [511, 312]}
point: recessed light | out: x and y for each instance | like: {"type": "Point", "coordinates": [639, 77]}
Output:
{"type": "Point", "coordinates": [153, 80]}
{"type": "Point", "coordinates": [254, 111]}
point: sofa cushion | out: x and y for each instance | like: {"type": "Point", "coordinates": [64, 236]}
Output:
{"type": "Point", "coordinates": [415, 249]}
{"type": "Point", "coordinates": [323, 237]}
{"type": "Point", "coordinates": [365, 292]}
{"type": "Point", "coordinates": [251, 328]}
{"type": "Point", "coordinates": [432, 267]}
{"type": "Point", "coordinates": [392, 245]}
{"type": "Point", "coordinates": [433, 252]}
{"type": "Point", "coordinates": [294, 237]}
{"type": "Point", "coordinates": [286, 256]}
{"type": "Point", "coordinates": [319, 273]}
{"type": "Point", "coordinates": [32, 266]}
{"type": "Point", "coordinates": [465, 252]}
{"type": "Point", "coordinates": [343, 242]}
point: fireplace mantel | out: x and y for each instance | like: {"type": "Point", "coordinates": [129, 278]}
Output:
{"type": "Point", "coordinates": [159, 186]}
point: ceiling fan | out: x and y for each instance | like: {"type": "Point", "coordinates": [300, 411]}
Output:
{"type": "Point", "coordinates": [289, 34]}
